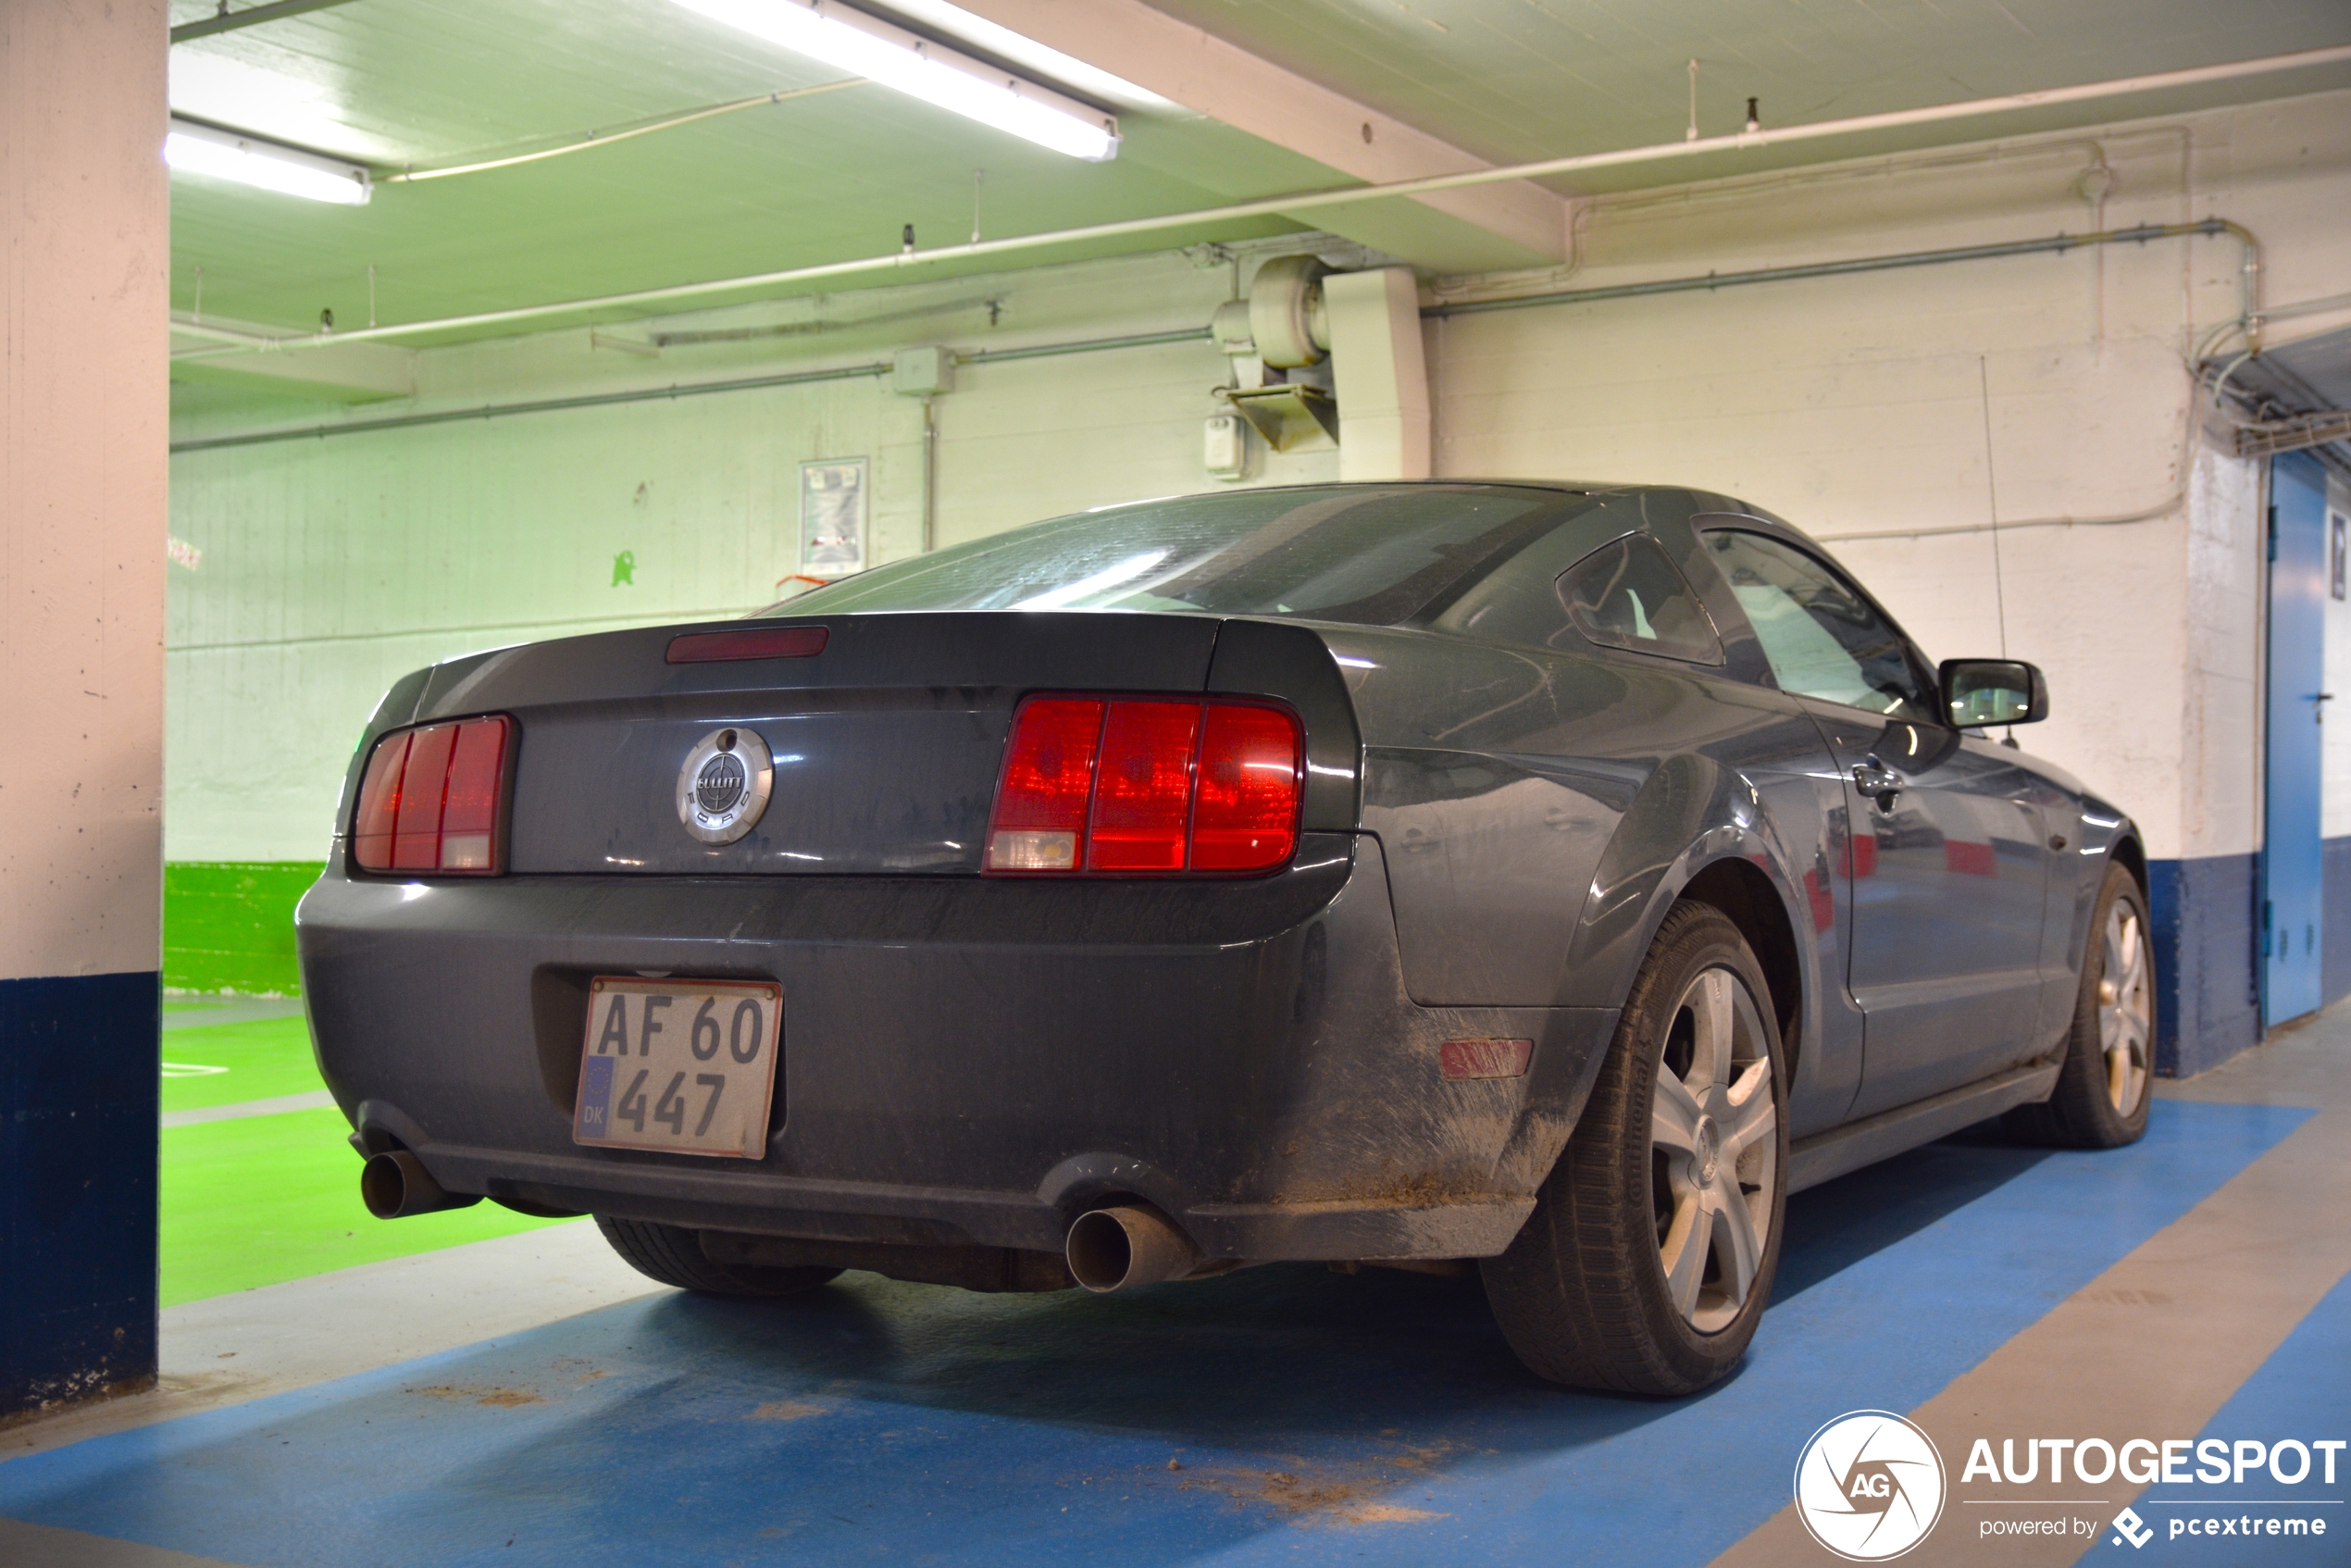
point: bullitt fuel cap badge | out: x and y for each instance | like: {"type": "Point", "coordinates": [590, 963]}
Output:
{"type": "Point", "coordinates": [723, 787]}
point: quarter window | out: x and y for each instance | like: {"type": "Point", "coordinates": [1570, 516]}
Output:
{"type": "Point", "coordinates": [1628, 595]}
{"type": "Point", "coordinates": [1821, 637]}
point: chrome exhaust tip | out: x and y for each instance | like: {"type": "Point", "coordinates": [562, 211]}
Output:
{"type": "Point", "coordinates": [1117, 1249]}
{"type": "Point", "coordinates": [396, 1185]}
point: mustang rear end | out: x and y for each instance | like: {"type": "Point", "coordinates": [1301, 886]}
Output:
{"type": "Point", "coordinates": [909, 943]}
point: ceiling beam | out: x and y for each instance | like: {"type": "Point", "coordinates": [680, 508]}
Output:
{"type": "Point", "coordinates": [252, 16]}
{"type": "Point", "coordinates": [1486, 229]}
{"type": "Point", "coordinates": [328, 371]}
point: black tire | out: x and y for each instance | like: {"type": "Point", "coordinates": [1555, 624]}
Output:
{"type": "Point", "coordinates": [1583, 1294]}
{"type": "Point", "coordinates": [2100, 1101]}
{"type": "Point", "coordinates": [673, 1255]}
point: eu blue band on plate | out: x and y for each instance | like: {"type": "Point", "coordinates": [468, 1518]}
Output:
{"type": "Point", "coordinates": [595, 1097]}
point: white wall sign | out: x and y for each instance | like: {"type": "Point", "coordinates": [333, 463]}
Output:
{"type": "Point", "coordinates": [832, 518]}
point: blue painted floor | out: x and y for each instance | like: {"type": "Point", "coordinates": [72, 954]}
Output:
{"type": "Point", "coordinates": [2303, 1391]}
{"type": "Point", "coordinates": [1283, 1413]}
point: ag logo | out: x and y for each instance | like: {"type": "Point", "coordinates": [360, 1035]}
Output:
{"type": "Point", "coordinates": [1869, 1486]}
{"type": "Point", "coordinates": [723, 785]}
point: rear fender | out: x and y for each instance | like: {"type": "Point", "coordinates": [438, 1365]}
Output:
{"type": "Point", "coordinates": [1692, 814]}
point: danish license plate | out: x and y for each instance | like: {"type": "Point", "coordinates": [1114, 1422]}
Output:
{"type": "Point", "coordinates": [687, 1066]}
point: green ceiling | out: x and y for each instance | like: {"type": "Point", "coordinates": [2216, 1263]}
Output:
{"type": "Point", "coordinates": [1518, 80]}
{"type": "Point", "coordinates": [394, 83]}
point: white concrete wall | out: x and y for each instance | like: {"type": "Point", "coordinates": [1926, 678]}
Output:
{"type": "Point", "coordinates": [1920, 403]}
{"type": "Point", "coordinates": [83, 258]}
{"type": "Point", "coordinates": [2024, 390]}
{"type": "Point", "coordinates": [2221, 684]}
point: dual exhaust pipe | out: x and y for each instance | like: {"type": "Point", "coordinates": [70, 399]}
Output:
{"type": "Point", "coordinates": [1120, 1248]}
{"type": "Point", "coordinates": [1114, 1249]}
{"type": "Point", "coordinates": [396, 1185]}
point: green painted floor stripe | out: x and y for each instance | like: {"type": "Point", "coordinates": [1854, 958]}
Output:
{"type": "Point", "coordinates": [184, 1014]}
{"type": "Point", "coordinates": [317, 1100]}
{"type": "Point", "coordinates": [224, 1064]}
{"type": "Point", "coordinates": [259, 1183]}
{"type": "Point", "coordinates": [266, 1199]}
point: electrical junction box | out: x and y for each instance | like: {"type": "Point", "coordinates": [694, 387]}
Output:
{"type": "Point", "coordinates": [1227, 448]}
{"type": "Point", "coordinates": [919, 372]}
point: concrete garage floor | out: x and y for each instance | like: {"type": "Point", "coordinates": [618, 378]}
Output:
{"type": "Point", "coordinates": [528, 1399]}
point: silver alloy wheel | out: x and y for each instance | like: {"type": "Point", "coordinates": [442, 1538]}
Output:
{"type": "Point", "coordinates": [1713, 1149]}
{"type": "Point", "coordinates": [2125, 1009]}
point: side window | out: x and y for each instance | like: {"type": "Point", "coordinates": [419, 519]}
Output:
{"type": "Point", "coordinates": [1628, 595]}
{"type": "Point", "coordinates": [1821, 637]}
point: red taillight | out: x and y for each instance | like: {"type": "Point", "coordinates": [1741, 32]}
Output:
{"type": "Point", "coordinates": [415, 834]}
{"type": "Point", "coordinates": [1247, 816]}
{"type": "Point", "coordinates": [1136, 786]}
{"type": "Point", "coordinates": [428, 799]}
{"type": "Point", "coordinates": [469, 808]}
{"type": "Point", "coordinates": [1143, 787]}
{"type": "Point", "coordinates": [1039, 822]}
{"type": "Point", "coordinates": [378, 805]}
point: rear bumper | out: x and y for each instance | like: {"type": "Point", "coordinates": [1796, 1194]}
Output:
{"type": "Point", "coordinates": [965, 1060]}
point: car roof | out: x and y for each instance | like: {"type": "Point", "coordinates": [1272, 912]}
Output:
{"type": "Point", "coordinates": [1710, 500]}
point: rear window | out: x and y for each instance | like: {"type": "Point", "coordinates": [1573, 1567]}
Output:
{"type": "Point", "coordinates": [1370, 555]}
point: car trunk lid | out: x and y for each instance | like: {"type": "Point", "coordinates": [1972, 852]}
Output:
{"type": "Point", "coordinates": [886, 745]}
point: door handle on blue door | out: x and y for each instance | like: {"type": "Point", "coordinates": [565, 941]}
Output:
{"type": "Point", "coordinates": [1874, 778]}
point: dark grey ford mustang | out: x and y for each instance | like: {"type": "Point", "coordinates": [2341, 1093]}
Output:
{"type": "Point", "coordinates": [1535, 879]}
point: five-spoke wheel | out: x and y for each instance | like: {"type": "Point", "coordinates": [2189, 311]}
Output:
{"type": "Point", "coordinates": [2101, 1096]}
{"type": "Point", "coordinates": [1648, 1258]}
{"type": "Point", "coordinates": [2126, 1006]}
{"type": "Point", "coordinates": [1714, 1159]}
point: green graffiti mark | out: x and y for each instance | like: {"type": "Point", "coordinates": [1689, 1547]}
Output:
{"type": "Point", "coordinates": [623, 568]}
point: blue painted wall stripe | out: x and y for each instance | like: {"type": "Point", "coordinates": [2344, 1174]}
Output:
{"type": "Point", "coordinates": [2207, 930]}
{"type": "Point", "coordinates": [79, 1085]}
{"type": "Point", "coordinates": [2335, 980]}
{"type": "Point", "coordinates": [2207, 937]}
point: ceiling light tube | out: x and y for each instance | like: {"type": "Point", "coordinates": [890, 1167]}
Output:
{"type": "Point", "coordinates": [878, 50]}
{"type": "Point", "coordinates": [272, 166]}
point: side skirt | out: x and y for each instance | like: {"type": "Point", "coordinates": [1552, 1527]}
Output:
{"type": "Point", "coordinates": [1826, 1155]}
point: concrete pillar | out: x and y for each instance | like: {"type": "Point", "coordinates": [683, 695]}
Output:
{"type": "Point", "coordinates": [84, 255]}
{"type": "Point", "coordinates": [1378, 373]}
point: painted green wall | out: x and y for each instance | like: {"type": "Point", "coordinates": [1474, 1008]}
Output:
{"type": "Point", "coordinates": [228, 925]}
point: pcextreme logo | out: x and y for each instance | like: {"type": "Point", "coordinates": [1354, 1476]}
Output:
{"type": "Point", "coordinates": [2269, 1498]}
{"type": "Point", "coordinates": [1869, 1486]}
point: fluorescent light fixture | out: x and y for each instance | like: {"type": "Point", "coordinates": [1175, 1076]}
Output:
{"type": "Point", "coordinates": [272, 166]}
{"type": "Point", "coordinates": [878, 50]}
{"type": "Point", "coordinates": [953, 22]}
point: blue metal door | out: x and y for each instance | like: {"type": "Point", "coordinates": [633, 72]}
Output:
{"type": "Point", "coordinates": [2291, 899]}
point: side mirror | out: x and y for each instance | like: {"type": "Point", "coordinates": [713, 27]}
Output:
{"type": "Point", "coordinates": [1982, 692]}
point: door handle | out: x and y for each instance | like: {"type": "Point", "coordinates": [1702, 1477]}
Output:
{"type": "Point", "coordinates": [1874, 778]}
